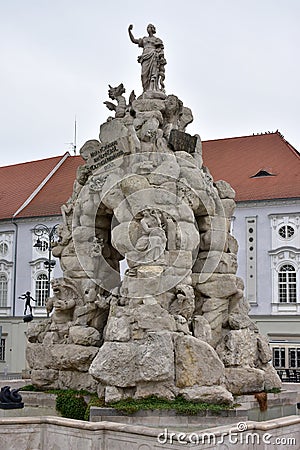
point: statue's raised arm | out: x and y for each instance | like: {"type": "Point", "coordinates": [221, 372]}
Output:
{"type": "Point", "coordinates": [152, 60]}
{"type": "Point", "coordinates": [132, 38]}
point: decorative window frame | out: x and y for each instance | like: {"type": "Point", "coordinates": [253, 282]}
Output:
{"type": "Point", "coordinates": [7, 237]}
{"type": "Point", "coordinates": [280, 220]}
{"type": "Point", "coordinates": [6, 268]}
{"type": "Point", "coordinates": [38, 253]}
{"type": "Point", "coordinates": [37, 268]}
{"type": "Point", "coordinates": [279, 258]}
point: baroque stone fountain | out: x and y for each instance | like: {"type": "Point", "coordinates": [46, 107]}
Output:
{"type": "Point", "coordinates": [177, 321]}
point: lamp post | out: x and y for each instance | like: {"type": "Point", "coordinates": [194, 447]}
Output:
{"type": "Point", "coordinates": [42, 230]}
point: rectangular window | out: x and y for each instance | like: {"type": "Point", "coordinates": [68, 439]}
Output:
{"type": "Point", "coordinates": [3, 290]}
{"type": "Point", "coordinates": [294, 358]}
{"type": "Point", "coordinates": [41, 290]}
{"type": "Point", "coordinates": [2, 349]}
{"type": "Point", "coordinates": [287, 284]}
{"type": "Point", "coordinates": [279, 358]}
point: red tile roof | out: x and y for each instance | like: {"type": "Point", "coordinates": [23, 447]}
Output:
{"type": "Point", "coordinates": [17, 182]}
{"type": "Point", "coordinates": [235, 160]}
{"type": "Point", "coordinates": [55, 192]}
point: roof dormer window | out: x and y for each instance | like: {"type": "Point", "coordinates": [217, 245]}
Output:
{"type": "Point", "coordinates": [263, 173]}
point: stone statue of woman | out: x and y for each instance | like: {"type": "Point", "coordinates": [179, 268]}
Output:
{"type": "Point", "coordinates": [152, 243]}
{"type": "Point", "coordinates": [152, 59]}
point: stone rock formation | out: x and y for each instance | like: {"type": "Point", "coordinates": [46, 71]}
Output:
{"type": "Point", "coordinates": [176, 322]}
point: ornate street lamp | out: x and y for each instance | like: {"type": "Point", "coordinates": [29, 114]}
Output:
{"type": "Point", "coordinates": [51, 233]}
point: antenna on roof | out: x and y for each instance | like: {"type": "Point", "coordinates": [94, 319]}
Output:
{"type": "Point", "coordinates": [75, 136]}
{"type": "Point", "coordinates": [73, 144]}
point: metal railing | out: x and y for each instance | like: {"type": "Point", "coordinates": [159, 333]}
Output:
{"type": "Point", "coordinates": [289, 375]}
{"type": "Point", "coordinates": [10, 376]}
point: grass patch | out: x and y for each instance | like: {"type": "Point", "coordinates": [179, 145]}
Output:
{"type": "Point", "coordinates": [30, 388]}
{"type": "Point", "coordinates": [179, 404]}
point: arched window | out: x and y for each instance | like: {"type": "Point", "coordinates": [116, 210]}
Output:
{"type": "Point", "coordinates": [3, 290]}
{"type": "Point", "coordinates": [287, 284]}
{"type": "Point", "coordinates": [41, 289]}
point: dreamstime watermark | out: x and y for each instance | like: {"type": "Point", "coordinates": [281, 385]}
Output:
{"type": "Point", "coordinates": [236, 436]}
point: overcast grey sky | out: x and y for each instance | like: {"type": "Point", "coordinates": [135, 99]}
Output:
{"type": "Point", "coordinates": [235, 63]}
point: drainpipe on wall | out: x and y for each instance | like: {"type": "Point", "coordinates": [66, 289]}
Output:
{"type": "Point", "coordinates": [15, 267]}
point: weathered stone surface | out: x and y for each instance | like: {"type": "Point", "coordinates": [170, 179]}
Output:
{"type": "Point", "coordinates": [87, 336]}
{"type": "Point", "coordinates": [60, 356]}
{"type": "Point", "coordinates": [112, 130]}
{"type": "Point", "coordinates": [272, 380]}
{"type": "Point", "coordinates": [36, 331]}
{"type": "Point", "coordinates": [162, 389]}
{"type": "Point", "coordinates": [215, 262]}
{"type": "Point", "coordinates": [264, 350]}
{"type": "Point", "coordinates": [202, 329]}
{"type": "Point", "coordinates": [37, 357]}
{"type": "Point", "coordinates": [215, 311]}
{"type": "Point", "coordinates": [208, 394]}
{"type": "Point", "coordinates": [118, 328]}
{"type": "Point", "coordinates": [218, 285]}
{"type": "Point", "coordinates": [185, 159]}
{"type": "Point", "coordinates": [168, 170]}
{"type": "Point", "coordinates": [180, 258]}
{"type": "Point", "coordinates": [197, 363]}
{"type": "Point", "coordinates": [153, 318]}
{"type": "Point", "coordinates": [188, 236]}
{"type": "Point", "coordinates": [214, 240]}
{"type": "Point", "coordinates": [47, 378]}
{"type": "Point", "coordinates": [239, 321]}
{"type": "Point", "coordinates": [113, 394]}
{"type": "Point", "coordinates": [144, 104]}
{"type": "Point", "coordinates": [71, 379]}
{"type": "Point", "coordinates": [111, 366]}
{"type": "Point", "coordinates": [126, 364]}
{"type": "Point", "coordinates": [76, 357]}
{"type": "Point", "coordinates": [112, 195]}
{"type": "Point", "coordinates": [240, 380]}
{"type": "Point", "coordinates": [193, 177]}
{"type": "Point", "coordinates": [238, 348]}
{"type": "Point", "coordinates": [228, 207]}
{"type": "Point", "coordinates": [233, 245]}
{"type": "Point", "coordinates": [224, 189]}
{"type": "Point", "coordinates": [206, 223]}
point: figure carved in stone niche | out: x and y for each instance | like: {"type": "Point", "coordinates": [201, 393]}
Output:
{"type": "Point", "coordinates": [96, 253]}
{"type": "Point", "coordinates": [152, 243]}
{"type": "Point", "coordinates": [152, 59]}
{"type": "Point", "coordinates": [115, 93]}
{"type": "Point", "coordinates": [64, 237]}
{"type": "Point", "coordinates": [63, 302]}
{"type": "Point", "coordinates": [184, 302]}
{"type": "Point", "coordinates": [91, 313]}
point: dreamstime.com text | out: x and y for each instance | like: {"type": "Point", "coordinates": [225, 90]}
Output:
{"type": "Point", "coordinates": [242, 436]}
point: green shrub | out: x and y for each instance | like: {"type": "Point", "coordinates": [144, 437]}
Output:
{"type": "Point", "coordinates": [71, 405]}
{"type": "Point", "coordinates": [182, 406]}
{"type": "Point", "coordinates": [94, 401]}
